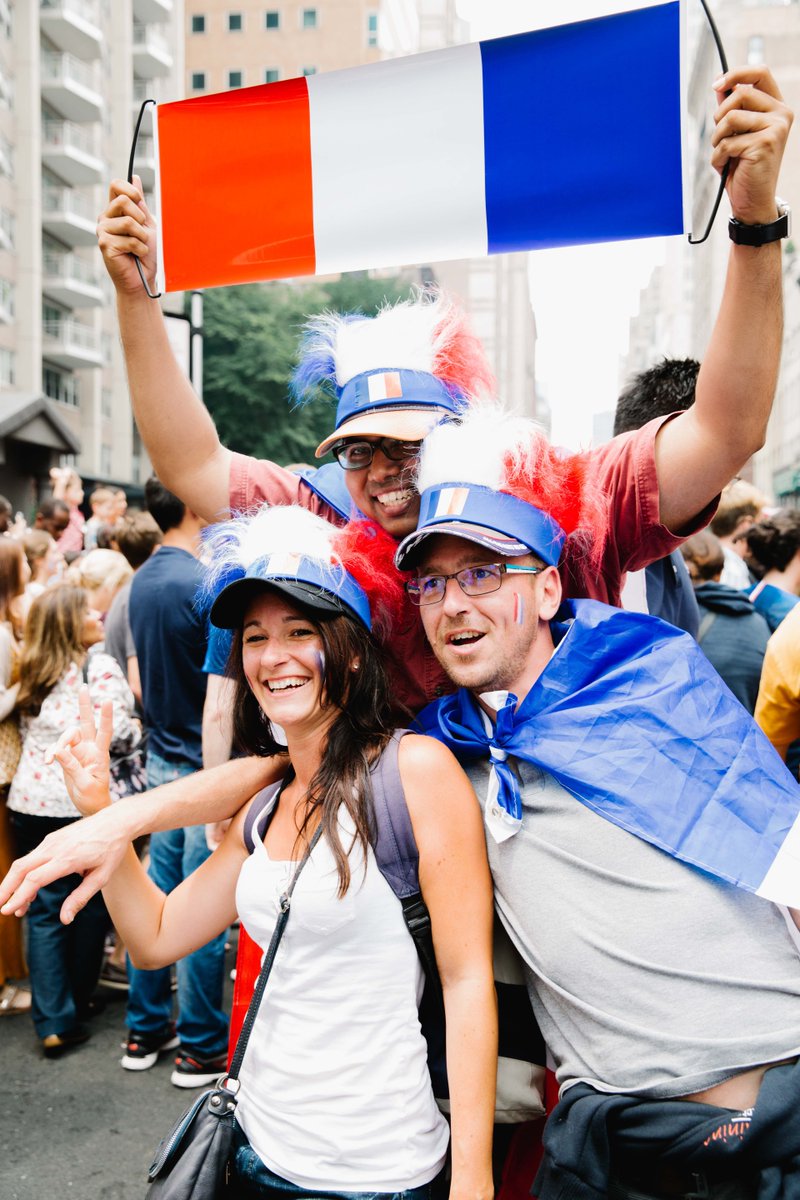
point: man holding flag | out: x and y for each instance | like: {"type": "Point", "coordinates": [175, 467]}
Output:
{"type": "Point", "coordinates": [661, 481]}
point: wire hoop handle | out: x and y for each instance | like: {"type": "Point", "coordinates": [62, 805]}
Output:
{"type": "Point", "coordinates": [723, 179]}
{"type": "Point", "coordinates": [131, 162]}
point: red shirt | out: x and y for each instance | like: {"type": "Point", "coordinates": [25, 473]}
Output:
{"type": "Point", "coordinates": [626, 469]}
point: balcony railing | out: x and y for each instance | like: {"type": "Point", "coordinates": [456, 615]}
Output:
{"type": "Point", "coordinates": [73, 332]}
{"type": "Point", "coordinates": [66, 68]}
{"type": "Point", "coordinates": [87, 10]}
{"type": "Point", "coordinates": [70, 267]}
{"type": "Point", "coordinates": [145, 37]}
{"type": "Point", "coordinates": [67, 200]}
{"type": "Point", "coordinates": [69, 136]}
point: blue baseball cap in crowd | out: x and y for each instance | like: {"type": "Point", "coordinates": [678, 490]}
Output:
{"type": "Point", "coordinates": [400, 404]}
{"type": "Point", "coordinates": [325, 588]}
{"type": "Point", "coordinates": [498, 521]}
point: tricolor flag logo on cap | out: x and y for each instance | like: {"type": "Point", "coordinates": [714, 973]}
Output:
{"type": "Point", "coordinates": [451, 502]}
{"type": "Point", "coordinates": [284, 563]}
{"type": "Point", "coordinates": [386, 386]}
{"type": "Point", "coordinates": [489, 147]}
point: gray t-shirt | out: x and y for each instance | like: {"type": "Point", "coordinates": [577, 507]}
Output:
{"type": "Point", "coordinates": [118, 636]}
{"type": "Point", "coordinates": [645, 974]}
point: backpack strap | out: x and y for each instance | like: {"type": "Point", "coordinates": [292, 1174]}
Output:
{"type": "Point", "coordinates": [396, 853]}
{"type": "Point", "coordinates": [266, 798]}
{"type": "Point", "coordinates": [706, 623]}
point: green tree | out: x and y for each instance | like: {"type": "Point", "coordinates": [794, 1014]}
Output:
{"type": "Point", "coordinates": [249, 352]}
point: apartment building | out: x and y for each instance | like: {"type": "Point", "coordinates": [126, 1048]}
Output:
{"type": "Point", "coordinates": [72, 75]}
{"type": "Point", "coordinates": [240, 43]}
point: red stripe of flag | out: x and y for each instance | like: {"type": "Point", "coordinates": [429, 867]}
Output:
{"type": "Point", "coordinates": [247, 155]}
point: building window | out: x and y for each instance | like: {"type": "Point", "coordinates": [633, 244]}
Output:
{"type": "Point", "coordinates": [198, 24]}
{"type": "Point", "coordinates": [7, 227]}
{"type": "Point", "coordinates": [372, 29]}
{"type": "Point", "coordinates": [271, 75]}
{"type": "Point", "coordinates": [6, 300]}
{"type": "Point", "coordinates": [309, 18]}
{"type": "Point", "coordinates": [755, 50]}
{"type": "Point", "coordinates": [6, 158]}
{"type": "Point", "coordinates": [309, 70]}
{"type": "Point", "coordinates": [198, 81]}
{"type": "Point", "coordinates": [61, 387]}
{"type": "Point", "coordinates": [105, 460]}
{"type": "Point", "coordinates": [235, 79]}
{"type": "Point", "coordinates": [235, 23]}
{"type": "Point", "coordinates": [107, 402]}
{"type": "Point", "coordinates": [272, 19]}
{"type": "Point", "coordinates": [7, 372]}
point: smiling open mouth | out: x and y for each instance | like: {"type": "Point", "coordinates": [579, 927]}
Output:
{"type": "Point", "coordinates": [285, 685]}
{"type": "Point", "coordinates": [389, 499]}
{"type": "Point", "coordinates": [467, 638]}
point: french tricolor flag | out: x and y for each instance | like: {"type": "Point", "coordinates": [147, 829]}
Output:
{"type": "Point", "coordinates": [560, 136]}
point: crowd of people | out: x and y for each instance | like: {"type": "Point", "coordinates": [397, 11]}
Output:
{"type": "Point", "coordinates": [453, 573]}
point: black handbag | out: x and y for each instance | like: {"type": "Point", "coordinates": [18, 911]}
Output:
{"type": "Point", "coordinates": [193, 1161]}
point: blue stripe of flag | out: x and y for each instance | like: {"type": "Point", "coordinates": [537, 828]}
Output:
{"type": "Point", "coordinates": [582, 131]}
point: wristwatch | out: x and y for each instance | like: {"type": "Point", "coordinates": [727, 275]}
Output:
{"type": "Point", "coordinates": [761, 235]}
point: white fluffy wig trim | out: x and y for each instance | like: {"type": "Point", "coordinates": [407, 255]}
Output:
{"type": "Point", "coordinates": [478, 448]}
{"type": "Point", "coordinates": [233, 546]}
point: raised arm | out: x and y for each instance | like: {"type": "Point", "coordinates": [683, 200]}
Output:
{"type": "Point", "coordinates": [174, 423]}
{"type": "Point", "coordinates": [704, 448]}
{"type": "Point", "coordinates": [95, 846]}
{"type": "Point", "coordinates": [457, 887]}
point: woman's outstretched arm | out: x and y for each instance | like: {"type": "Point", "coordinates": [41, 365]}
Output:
{"type": "Point", "coordinates": [95, 846]}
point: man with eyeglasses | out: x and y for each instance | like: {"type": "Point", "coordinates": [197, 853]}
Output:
{"type": "Point", "coordinates": [636, 825]}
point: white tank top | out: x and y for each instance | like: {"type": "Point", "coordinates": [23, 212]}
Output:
{"type": "Point", "coordinates": [335, 1087]}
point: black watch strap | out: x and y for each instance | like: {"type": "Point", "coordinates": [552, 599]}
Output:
{"type": "Point", "coordinates": [761, 235]}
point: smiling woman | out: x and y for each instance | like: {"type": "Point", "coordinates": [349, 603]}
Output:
{"type": "Point", "coordinates": [336, 1097]}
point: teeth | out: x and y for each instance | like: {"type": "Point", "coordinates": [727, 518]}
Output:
{"type": "Point", "coordinates": [389, 498]}
{"type": "Point", "coordinates": [282, 685]}
{"type": "Point", "coordinates": [459, 638]}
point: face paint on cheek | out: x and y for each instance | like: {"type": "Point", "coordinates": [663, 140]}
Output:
{"type": "Point", "coordinates": [320, 657]}
{"type": "Point", "coordinates": [519, 609]}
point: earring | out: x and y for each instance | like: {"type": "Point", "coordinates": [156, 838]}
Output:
{"type": "Point", "coordinates": [354, 666]}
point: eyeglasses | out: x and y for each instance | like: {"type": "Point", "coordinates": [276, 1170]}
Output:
{"type": "Point", "coordinates": [354, 455]}
{"type": "Point", "coordinates": [473, 581]}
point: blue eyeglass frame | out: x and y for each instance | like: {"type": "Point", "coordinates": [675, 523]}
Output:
{"type": "Point", "coordinates": [504, 568]}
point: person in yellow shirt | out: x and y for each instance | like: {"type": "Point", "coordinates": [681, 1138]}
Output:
{"type": "Point", "coordinates": [778, 704]}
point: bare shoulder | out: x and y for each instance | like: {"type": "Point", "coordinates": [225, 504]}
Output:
{"type": "Point", "coordinates": [435, 784]}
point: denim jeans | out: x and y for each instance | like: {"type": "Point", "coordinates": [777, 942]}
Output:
{"type": "Point", "coordinates": [64, 960]}
{"type": "Point", "coordinates": [251, 1179]}
{"type": "Point", "coordinates": [202, 1024]}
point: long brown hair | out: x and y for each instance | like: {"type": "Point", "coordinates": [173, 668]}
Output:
{"type": "Point", "coordinates": [53, 640]}
{"type": "Point", "coordinates": [354, 741]}
{"type": "Point", "coordinates": [11, 578]}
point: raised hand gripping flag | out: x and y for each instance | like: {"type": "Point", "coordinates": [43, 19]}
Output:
{"type": "Point", "coordinates": [561, 136]}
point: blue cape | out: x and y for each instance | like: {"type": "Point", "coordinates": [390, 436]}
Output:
{"type": "Point", "coordinates": [631, 718]}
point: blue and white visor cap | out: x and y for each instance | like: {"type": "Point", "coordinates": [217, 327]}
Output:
{"type": "Point", "coordinates": [497, 521]}
{"type": "Point", "coordinates": [324, 588]}
{"type": "Point", "coordinates": [404, 405]}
